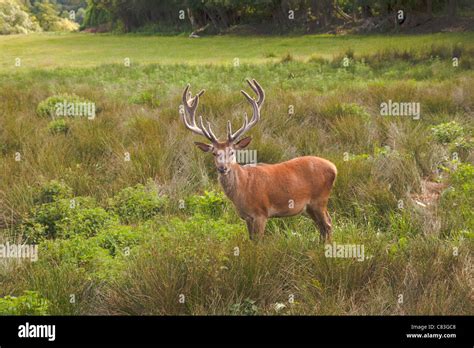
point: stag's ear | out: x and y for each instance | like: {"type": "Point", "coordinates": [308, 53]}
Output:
{"type": "Point", "coordinates": [204, 147]}
{"type": "Point", "coordinates": [243, 143]}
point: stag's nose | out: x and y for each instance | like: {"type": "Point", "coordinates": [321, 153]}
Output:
{"type": "Point", "coordinates": [222, 169]}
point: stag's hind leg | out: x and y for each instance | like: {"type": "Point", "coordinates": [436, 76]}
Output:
{"type": "Point", "coordinates": [320, 215]}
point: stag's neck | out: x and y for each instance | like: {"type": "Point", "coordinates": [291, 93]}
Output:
{"type": "Point", "coordinates": [232, 181]}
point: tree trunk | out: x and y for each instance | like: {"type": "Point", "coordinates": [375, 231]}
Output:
{"type": "Point", "coordinates": [452, 4]}
{"type": "Point", "coordinates": [366, 11]}
{"type": "Point", "coordinates": [429, 8]}
{"type": "Point", "coordinates": [192, 20]}
{"type": "Point", "coordinates": [223, 16]}
{"type": "Point", "coordinates": [354, 10]}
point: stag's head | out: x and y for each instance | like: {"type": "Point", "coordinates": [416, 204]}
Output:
{"type": "Point", "coordinates": [224, 151]}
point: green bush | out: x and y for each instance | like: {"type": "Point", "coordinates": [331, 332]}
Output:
{"type": "Point", "coordinates": [200, 225]}
{"type": "Point", "coordinates": [458, 199]}
{"type": "Point", "coordinates": [78, 250]}
{"type": "Point", "coordinates": [117, 239]}
{"type": "Point", "coordinates": [463, 178]}
{"type": "Point", "coordinates": [211, 203]}
{"type": "Point", "coordinates": [30, 303]}
{"type": "Point", "coordinates": [86, 221]}
{"type": "Point", "coordinates": [344, 110]}
{"type": "Point", "coordinates": [58, 126]}
{"type": "Point", "coordinates": [138, 203]}
{"type": "Point", "coordinates": [83, 254]}
{"type": "Point", "coordinates": [48, 107]}
{"type": "Point", "coordinates": [147, 97]}
{"type": "Point", "coordinates": [246, 307]}
{"type": "Point", "coordinates": [52, 191]}
{"type": "Point", "coordinates": [64, 218]}
{"type": "Point", "coordinates": [446, 133]}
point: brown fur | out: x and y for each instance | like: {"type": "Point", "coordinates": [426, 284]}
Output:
{"type": "Point", "coordinates": [279, 190]}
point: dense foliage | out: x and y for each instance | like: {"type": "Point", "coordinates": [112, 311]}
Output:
{"type": "Point", "coordinates": [22, 17]}
{"type": "Point", "coordinates": [264, 16]}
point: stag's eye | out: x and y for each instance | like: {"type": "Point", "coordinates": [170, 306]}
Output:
{"type": "Point", "coordinates": [231, 153]}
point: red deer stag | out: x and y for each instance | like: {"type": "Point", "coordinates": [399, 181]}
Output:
{"type": "Point", "coordinates": [264, 191]}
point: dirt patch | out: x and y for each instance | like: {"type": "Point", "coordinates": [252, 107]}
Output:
{"type": "Point", "coordinates": [430, 193]}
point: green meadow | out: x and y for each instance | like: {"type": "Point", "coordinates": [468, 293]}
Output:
{"type": "Point", "coordinates": [127, 215]}
{"type": "Point", "coordinates": [53, 50]}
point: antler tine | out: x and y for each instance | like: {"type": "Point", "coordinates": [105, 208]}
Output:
{"type": "Point", "coordinates": [229, 129]}
{"type": "Point", "coordinates": [211, 133]}
{"type": "Point", "coordinates": [190, 105]}
{"type": "Point", "coordinates": [258, 90]}
{"type": "Point", "coordinates": [256, 104]}
{"type": "Point", "coordinates": [207, 133]}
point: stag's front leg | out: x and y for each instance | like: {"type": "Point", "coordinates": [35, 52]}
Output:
{"type": "Point", "coordinates": [256, 227]}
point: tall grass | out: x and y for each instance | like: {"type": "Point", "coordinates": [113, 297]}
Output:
{"type": "Point", "coordinates": [313, 107]}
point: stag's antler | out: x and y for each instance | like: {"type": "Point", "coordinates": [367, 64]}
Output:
{"type": "Point", "coordinates": [256, 105]}
{"type": "Point", "coordinates": [190, 105]}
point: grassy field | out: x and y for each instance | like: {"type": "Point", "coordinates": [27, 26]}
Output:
{"type": "Point", "coordinates": [155, 235]}
{"type": "Point", "coordinates": [53, 50]}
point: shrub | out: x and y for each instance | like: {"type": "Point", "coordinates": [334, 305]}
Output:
{"type": "Point", "coordinates": [64, 218]}
{"type": "Point", "coordinates": [100, 257]}
{"type": "Point", "coordinates": [458, 199]}
{"type": "Point", "coordinates": [200, 225]}
{"type": "Point", "coordinates": [78, 250]}
{"type": "Point", "coordinates": [343, 110]}
{"type": "Point", "coordinates": [147, 97]}
{"type": "Point", "coordinates": [64, 24]}
{"type": "Point", "coordinates": [454, 137]}
{"type": "Point", "coordinates": [30, 303]}
{"type": "Point", "coordinates": [50, 106]}
{"type": "Point", "coordinates": [117, 238]}
{"type": "Point", "coordinates": [138, 203]}
{"type": "Point", "coordinates": [446, 133]}
{"type": "Point", "coordinates": [58, 126]}
{"type": "Point", "coordinates": [85, 221]}
{"type": "Point", "coordinates": [246, 307]}
{"type": "Point", "coordinates": [52, 191]}
{"type": "Point", "coordinates": [211, 203]}
{"type": "Point", "coordinates": [463, 178]}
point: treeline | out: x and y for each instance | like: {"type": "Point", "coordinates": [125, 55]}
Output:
{"type": "Point", "coordinates": [25, 16]}
{"type": "Point", "coordinates": [266, 15]}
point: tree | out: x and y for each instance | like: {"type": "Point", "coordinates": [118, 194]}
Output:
{"type": "Point", "coordinates": [46, 14]}
{"type": "Point", "coordinates": [452, 6]}
{"type": "Point", "coordinates": [14, 20]}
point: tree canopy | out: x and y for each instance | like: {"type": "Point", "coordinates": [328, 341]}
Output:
{"type": "Point", "coordinates": [267, 15]}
